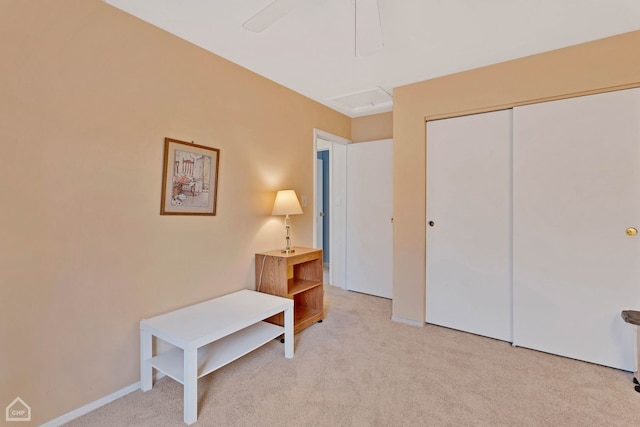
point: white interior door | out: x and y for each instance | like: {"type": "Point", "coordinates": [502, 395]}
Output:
{"type": "Point", "coordinates": [469, 224]}
{"type": "Point", "coordinates": [576, 177]}
{"type": "Point", "coordinates": [369, 212]}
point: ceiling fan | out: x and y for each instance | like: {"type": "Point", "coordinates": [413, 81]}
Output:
{"type": "Point", "coordinates": [367, 28]}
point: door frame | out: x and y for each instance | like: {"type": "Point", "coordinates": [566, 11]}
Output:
{"type": "Point", "coordinates": [319, 202]}
{"type": "Point", "coordinates": [336, 145]}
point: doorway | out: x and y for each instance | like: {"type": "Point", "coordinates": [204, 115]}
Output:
{"type": "Point", "coordinates": [323, 206]}
{"type": "Point", "coordinates": [333, 177]}
{"type": "Point", "coordinates": [342, 261]}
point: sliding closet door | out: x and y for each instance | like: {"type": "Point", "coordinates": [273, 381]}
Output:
{"type": "Point", "coordinates": [469, 224]}
{"type": "Point", "coordinates": [576, 179]}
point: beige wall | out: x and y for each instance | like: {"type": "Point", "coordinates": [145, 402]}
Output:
{"type": "Point", "coordinates": [87, 95]}
{"type": "Point", "coordinates": [372, 128]}
{"type": "Point", "coordinates": [605, 64]}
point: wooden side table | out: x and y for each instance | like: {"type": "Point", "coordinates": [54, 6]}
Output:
{"type": "Point", "coordinates": [297, 276]}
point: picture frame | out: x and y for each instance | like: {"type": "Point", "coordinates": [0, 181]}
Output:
{"type": "Point", "coordinates": [189, 178]}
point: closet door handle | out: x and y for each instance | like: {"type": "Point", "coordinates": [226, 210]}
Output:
{"type": "Point", "coordinates": [631, 231]}
{"type": "Point", "coordinates": [431, 223]}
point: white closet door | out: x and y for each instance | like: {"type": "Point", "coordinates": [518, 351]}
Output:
{"type": "Point", "coordinates": [369, 212]}
{"type": "Point", "coordinates": [469, 204]}
{"type": "Point", "coordinates": [576, 180]}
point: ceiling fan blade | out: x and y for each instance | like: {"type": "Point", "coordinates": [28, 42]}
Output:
{"type": "Point", "coordinates": [368, 29]}
{"type": "Point", "coordinates": [270, 14]}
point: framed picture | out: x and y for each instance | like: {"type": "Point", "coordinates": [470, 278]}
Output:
{"type": "Point", "coordinates": [189, 179]}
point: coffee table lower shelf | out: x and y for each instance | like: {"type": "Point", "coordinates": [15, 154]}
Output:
{"type": "Point", "coordinates": [219, 353]}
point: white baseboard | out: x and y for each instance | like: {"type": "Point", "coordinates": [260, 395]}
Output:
{"type": "Point", "coordinates": [407, 321]}
{"type": "Point", "coordinates": [83, 410]}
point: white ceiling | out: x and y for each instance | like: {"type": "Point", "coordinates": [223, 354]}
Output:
{"type": "Point", "coordinates": [311, 49]}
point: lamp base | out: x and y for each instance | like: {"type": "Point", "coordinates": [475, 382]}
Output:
{"type": "Point", "coordinates": [288, 251]}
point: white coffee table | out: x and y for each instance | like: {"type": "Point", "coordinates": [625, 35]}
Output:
{"type": "Point", "coordinates": [209, 335]}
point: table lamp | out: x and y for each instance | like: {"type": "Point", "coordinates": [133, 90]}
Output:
{"type": "Point", "coordinates": [287, 204]}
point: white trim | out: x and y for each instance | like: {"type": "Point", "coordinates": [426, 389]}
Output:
{"type": "Point", "coordinates": [407, 321]}
{"type": "Point", "coordinates": [92, 406]}
{"type": "Point", "coordinates": [83, 410]}
{"type": "Point", "coordinates": [317, 133]}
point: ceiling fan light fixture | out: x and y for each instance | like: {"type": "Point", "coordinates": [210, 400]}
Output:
{"type": "Point", "coordinates": [269, 15]}
{"type": "Point", "coordinates": [367, 27]}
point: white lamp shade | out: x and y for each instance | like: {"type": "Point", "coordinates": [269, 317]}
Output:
{"type": "Point", "coordinates": [286, 203]}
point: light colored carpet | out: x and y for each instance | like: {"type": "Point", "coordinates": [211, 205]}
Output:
{"type": "Point", "coordinates": [359, 368]}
